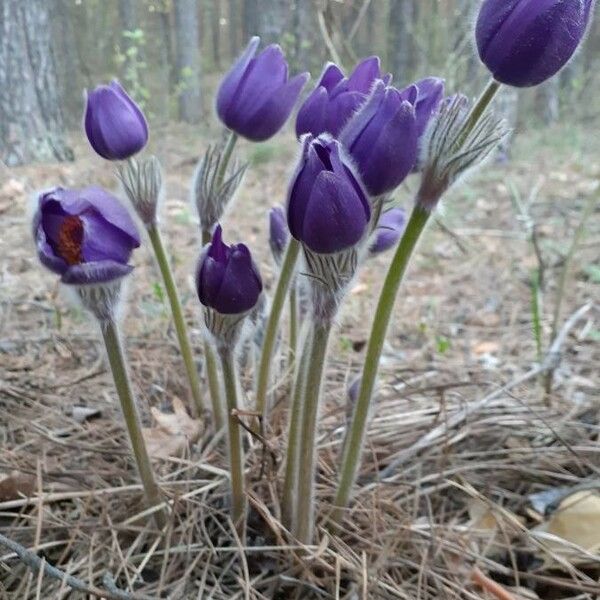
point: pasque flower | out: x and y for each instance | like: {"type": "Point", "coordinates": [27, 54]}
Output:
{"type": "Point", "coordinates": [388, 231]}
{"type": "Point", "coordinates": [336, 98]}
{"type": "Point", "coordinates": [382, 138]}
{"type": "Point", "coordinates": [227, 279]}
{"type": "Point", "coordinates": [86, 236]}
{"type": "Point", "coordinates": [425, 95]}
{"type": "Point", "coordinates": [525, 42]}
{"type": "Point", "coordinates": [328, 210]}
{"type": "Point", "coordinates": [114, 124]}
{"type": "Point", "coordinates": [278, 232]}
{"type": "Point", "coordinates": [256, 97]}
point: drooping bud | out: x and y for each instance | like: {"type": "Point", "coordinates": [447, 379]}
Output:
{"type": "Point", "coordinates": [87, 237]}
{"type": "Point", "coordinates": [278, 232]}
{"type": "Point", "coordinates": [382, 139]}
{"type": "Point", "coordinates": [229, 286]}
{"type": "Point", "coordinates": [452, 147]}
{"type": "Point", "coordinates": [388, 231]}
{"type": "Point", "coordinates": [211, 194]}
{"type": "Point", "coordinates": [256, 97]}
{"type": "Point", "coordinates": [335, 99]}
{"type": "Point", "coordinates": [114, 124]}
{"type": "Point", "coordinates": [142, 182]}
{"type": "Point", "coordinates": [524, 42]}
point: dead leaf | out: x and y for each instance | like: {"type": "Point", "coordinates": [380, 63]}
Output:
{"type": "Point", "coordinates": [174, 432]}
{"type": "Point", "coordinates": [480, 348]}
{"type": "Point", "coordinates": [572, 531]}
{"type": "Point", "coordinates": [16, 485]}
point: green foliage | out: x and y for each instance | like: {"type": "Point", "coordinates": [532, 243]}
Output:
{"type": "Point", "coordinates": [536, 312]}
{"type": "Point", "coordinates": [442, 344]}
{"type": "Point", "coordinates": [592, 273]}
{"type": "Point", "coordinates": [130, 60]}
{"type": "Point", "coordinates": [262, 153]}
{"type": "Point", "coordinates": [158, 291]}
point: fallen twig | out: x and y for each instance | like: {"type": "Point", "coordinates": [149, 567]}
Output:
{"type": "Point", "coordinates": [39, 565]}
{"type": "Point", "coordinates": [489, 585]}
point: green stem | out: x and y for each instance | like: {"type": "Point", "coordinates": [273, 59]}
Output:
{"type": "Point", "coordinates": [266, 356]}
{"type": "Point", "coordinates": [355, 436]}
{"type": "Point", "coordinates": [307, 458]}
{"type": "Point", "coordinates": [291, 466]}
{"type": "Point", "coordinates": [212, 372]}
{"type": "Point", "coordinates": [116, 359]}
{"type": "Point", "coordinates": [293, 300]}
{"type": "Point", "coordinates": [491, 89]}
{"type": "Point", "coordinates": [236, 458]}
{"type": "Point", "coordinates": [225, 158]}
{"type": "Point", "coordinates": [178, 319]}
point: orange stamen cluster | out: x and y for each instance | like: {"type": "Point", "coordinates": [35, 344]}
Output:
{"type": "Point", "coordinates": [70, 238]}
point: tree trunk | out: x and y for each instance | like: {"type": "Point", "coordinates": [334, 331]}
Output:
{"type": "Point", "coordinates": [214, 10]}
{"type": "Point", "coordinates": [188, 60]}
{"type": "Point", "coordinates": [234, 23]}
{"type": "Point", "coordinates": [304, 29]}
{"type": "Point", "coordinates": [251, 19]}
{"type": "Point", "coordinates": [128, 19]}
{"type": "Point", "coordinates": [401, 21]}
{"type": "Point", "coordinates": [31, 118]}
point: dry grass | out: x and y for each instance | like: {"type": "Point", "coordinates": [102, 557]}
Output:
{"type": "Point", "coordinates": [463, 330]}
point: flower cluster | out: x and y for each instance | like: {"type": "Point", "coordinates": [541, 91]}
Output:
{"type": "Point", "coordinates": [359, 138]}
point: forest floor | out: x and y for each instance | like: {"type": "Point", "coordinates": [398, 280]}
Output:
{"type": "Point", "coordinates": [461, 420]}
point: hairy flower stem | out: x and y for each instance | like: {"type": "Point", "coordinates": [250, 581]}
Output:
{"type": "Point", "coordinates": [119, 370]}
{"type": "Point", "coordinates": [236, 457]}
{"type": "Point", "coordinates": [212, 373]}
{"type": "Point", "coordinates": [293, 450]}
{"type": "Point", "coordinates": [307, 457]}
{"type": "Point", "coordinates": [293, 341]}
{"type": "Point", "coordinates": [356, 434]}
{"type": "Point", "coordinates": [178, 319]}
{"type": "Point", "coordinates": [225, 158]}
{"type": "Point", "coordinates": [266, 356]}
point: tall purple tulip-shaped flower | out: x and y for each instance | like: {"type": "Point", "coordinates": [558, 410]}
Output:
{"type": "Point", "coordinates": [382, 138]}
{"type": "Point", "coordinates": [335, 99]}
{"type": "Point", "coordinates": [85, 236]}
{"type": "Point", "coordinates": [256, 97]}
{"type": "Point", "coordinates": [328, 210]}
{"type": "Point", "coordinates": [525, 42]}
{"type": "Point", "coordinates": [227, 279]}
{"type": "Point", "coordinates": [114, 124]}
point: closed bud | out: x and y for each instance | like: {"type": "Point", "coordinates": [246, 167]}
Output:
{"type": "Point", "coordinates": [114, 124]}
{"type": "Point", "coordinates": [336, 98]}
{"type": "Point", "coordinates": [142, 182]}
{"type": "Point", "coordinates": [525, 42]}
{"type": "Point", "coordinates": [388, 231]}
{"type": "Point", "coordinates": [382, 139]}
{"type": "Point", "coordinates": [212, 194]}
{"type": "Point", "coordinates": [256, 97]}
{"type": "Point", "coordinates": [278, 232]}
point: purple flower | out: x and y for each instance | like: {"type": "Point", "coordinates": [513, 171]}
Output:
{"type": "Point", "coordinates": [278, 231]}
{"type": "Point", "coordinates": [382, 139]}
{"type": "Point", "coordinates": [328, 210]}
{"type": "Point", "coordinates": [388, 231]}
{"type": "Point", "coordinates": [256, 97]}
{"type": "Point", "coordinates": [227, 279]}
{"type": "Point", "coordinates": [335, 99]}
{"type": "Point", "coordinates": [114, 124]}
{"type": "Point", "coordinates": [525, 42]}
{"type": "Point", "coordinates": [426, 96]}
{"type": "Point", "coordinates": [85, 236]}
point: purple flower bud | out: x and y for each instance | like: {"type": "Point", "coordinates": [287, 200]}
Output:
{"type": "Point", "coordinates": [256, 97]}
{"type": "Point", "coordinates": [525, 42]}
{"type": "Point", "coordinates": [328, 210]}
{"type": "Point", "coordinates": [382, 139]}
{"type": "Point", "coordinates": [425, 95]}
{"type": "Point", "coordinates": [227, 279]}
{"type": "Point", "coordinates": [86, 236]}
{"type": "Point", "coordinates": [114, 124]}
{"type": "Point", "coordinates": [278, 232]}
{"type": "Point", "coordinates": [388, 231]}
{"type": "Point", "coordinates": [335, 99]}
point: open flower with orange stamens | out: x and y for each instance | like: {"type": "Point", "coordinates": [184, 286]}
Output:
{"type": "Point", "coordinates": [86, 236]}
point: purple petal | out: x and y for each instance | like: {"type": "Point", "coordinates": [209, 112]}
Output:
{"type": "Point", "coordinates": [364, 74]}
{"type": "Point", "coordinates": [96, 272]}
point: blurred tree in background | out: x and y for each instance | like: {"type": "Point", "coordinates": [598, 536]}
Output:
{"type": "Point", "coordinates": [169, 54]}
